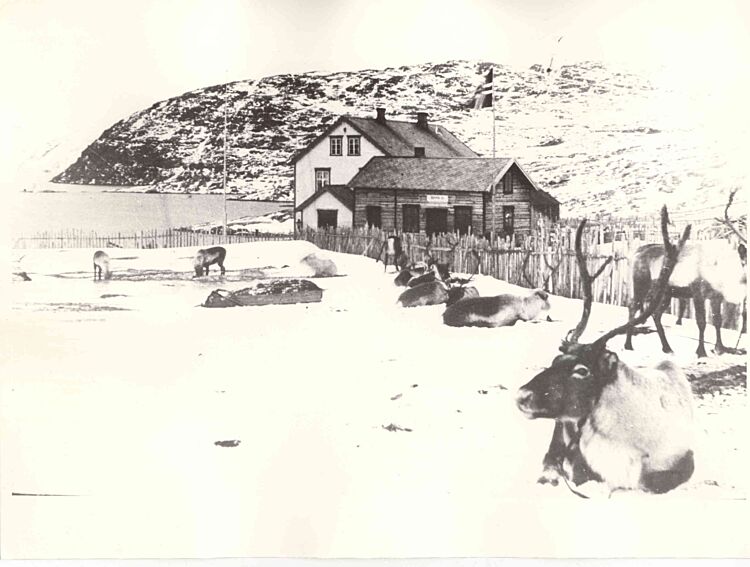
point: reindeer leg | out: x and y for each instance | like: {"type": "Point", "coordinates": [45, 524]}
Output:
{"type": "Point", "coordinates": [632, 310]}
{"type": "Point", "coordinates": [716, 301]}
{"type": "Point", "coordinates": [552, 463]}
{"type": "Point", "coordinates": [700, 316]}
{"type": "Point", "coordinates": [680, 310]}
{"type": "Point", "coordinates": [221, 266]}
{"type": "Point", "coordinates": [660, 329]}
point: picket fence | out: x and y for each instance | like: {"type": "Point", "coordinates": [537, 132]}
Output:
{"type": "Point", "coordinates": [170, 238]}
{"type": "Point", "coordinates": [549, 257]}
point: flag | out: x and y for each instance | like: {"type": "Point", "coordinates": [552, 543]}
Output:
{"type": "Point", "coordinates": [483, 94]}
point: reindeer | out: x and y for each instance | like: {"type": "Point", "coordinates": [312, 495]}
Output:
{"type": "Point", "coordinates": [431, 275]}
{"type": "Point", "coordinates": [459, 288]}
{"type": "Point", "coordinates": [496, 311]}
{"type": "Point", "coordinates": [705, 270]}
{"type": "Point", "coordinates": [393, 249]}
{"type": "Point", "coordinates": [550, 273]}
{"type": "Point", "coordinates": [499, 310]}
{"type": "Point", "coordinates": [205, 257]}
{"type": "Point", "coordinates": [430, 293]}
{"type": "Point", "coordinates": [101, 265]}
{"type": "Point", "coordinates": [626, 428]}
{"type": "Point", "coordinates": [405, 276]}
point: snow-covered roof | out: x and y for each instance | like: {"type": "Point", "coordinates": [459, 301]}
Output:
{"type": "Point", "coordinates": [341, 192]}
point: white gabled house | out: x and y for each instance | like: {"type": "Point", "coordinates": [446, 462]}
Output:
{"type": "Point", "coordinates": [323, 169]}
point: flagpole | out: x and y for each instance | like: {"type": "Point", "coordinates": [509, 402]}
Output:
{"type": "Point", "coordinates": [225, 174]}
{"type": "Point", "coordinates": [494, 188]}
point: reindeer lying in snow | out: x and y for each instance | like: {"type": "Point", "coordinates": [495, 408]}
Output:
{"type": "Point", "coordinates": [496, 311]}
{"type": "Point", "coordinates": [626, 428]}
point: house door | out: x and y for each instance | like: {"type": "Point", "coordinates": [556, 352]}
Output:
{"type": "Point", "coordinates": [462, 220]}
{"type": "Point", "coordinates": [436, 221]}
{"type": "Point", "coordinates": [327, 218]}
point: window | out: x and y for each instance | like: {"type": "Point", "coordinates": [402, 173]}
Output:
{"type": "Point", "coordinates": [436, 221]}
{"type": "Point", "coordinates": [336, 145]}
{"type": "Point", "coordinates": [322, 178]}
{"type": "Point", "coordinates": [462, 219]}
{"type": "Point", "coordinates": [507, 185]}
{"type": "Point", "coordinates": [373, 216]}
{"type": "Point", "coordinates": [352, 148]}
{"type": "Point", "coordinates": [509, 214]}
{"type": "Point", "coordinates": [327, 218]}
{"type": "Point", "coordinates": [411, 218]}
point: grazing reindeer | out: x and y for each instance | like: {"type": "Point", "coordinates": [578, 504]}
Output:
{"type": "Point", "coordinates": [705, 270]}
{"type": "Point", "coordinates": [205, 257]}
{"type": "Point", "coordinates": [496, 311]}
{"type": "Point", "coordinates": [627, 428]}
{"type": "Point", "coordinates": [101, 265]}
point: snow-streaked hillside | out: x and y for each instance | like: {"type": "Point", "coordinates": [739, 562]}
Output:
{"type": "Point", "coordinates": [600, 139]}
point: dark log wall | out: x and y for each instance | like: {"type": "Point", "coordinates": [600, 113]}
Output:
{"type": "Point", "coordinates": [386, 199]}
{"type": "Point", "coordinates": [526, 213]}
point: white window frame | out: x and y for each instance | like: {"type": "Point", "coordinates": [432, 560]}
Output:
{"type": "Point", "coordinates": [326, 171]}
{"type": "Point", "coordinates": [336, 145]}
{"type": "Point", "coordinates": [349, 141]}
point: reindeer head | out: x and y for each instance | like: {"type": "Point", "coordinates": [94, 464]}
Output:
{"type": "Point", "coordinates": [572, 384]}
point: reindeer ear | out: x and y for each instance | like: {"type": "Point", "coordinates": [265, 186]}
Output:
{"type": "Point", "coordinates": [541, 293]}
{"type": "Point", "coordinates": [607, 363]}
{"type": "Point", "coordinates": [742, 251]}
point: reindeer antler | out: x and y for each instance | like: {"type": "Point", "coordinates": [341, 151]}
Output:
{"type": "Point", "coordinates": [552, 270]}
{"type": "Point", "coordinates": [729, 223]}
{"type": "Point", "coordinates": [588, 294]}
{"type": "Point", "coordinates": [658, 290]}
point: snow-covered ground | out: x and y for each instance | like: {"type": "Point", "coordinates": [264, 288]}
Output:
{"type": "Point", "coordinates": [115, 393]}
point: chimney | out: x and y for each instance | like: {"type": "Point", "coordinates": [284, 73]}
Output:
{"type": "Point", "coordinates": [380, 115]}
{"type": "Point", "coordinates": [418, 151]}
{"type": "Point", "coordinates": [422, 120]}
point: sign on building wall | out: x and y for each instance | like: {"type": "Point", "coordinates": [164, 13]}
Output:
{"type": "Point", "coordinates": [437, 199]}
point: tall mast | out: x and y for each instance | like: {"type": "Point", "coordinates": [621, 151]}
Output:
{"type": "Point", "coordinates": [492, 94]}
{"type": "Point", "coordinates": [225, 174]}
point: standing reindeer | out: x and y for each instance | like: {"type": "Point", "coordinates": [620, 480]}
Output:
{"type": "Point", "coordinates": [394, 250]}
{"type": "Point", "coordinates": [101, 265]}
{"type": "Point", "coordinates": [705, 269]}
{"type": "Point", "coordinates": [626, 428]}
{"type": "Point", "coordinates": [205, 257]}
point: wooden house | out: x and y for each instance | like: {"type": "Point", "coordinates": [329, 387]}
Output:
{"type": "Point", "coordinates": [323, 169]}
{"type": "Point", "coordinates": [437, 194]}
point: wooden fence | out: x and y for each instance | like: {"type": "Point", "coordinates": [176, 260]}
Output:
{"type": "Point", "coordinates": [169, 238]}
{"type": "Point", "coordinates": [528, 265]}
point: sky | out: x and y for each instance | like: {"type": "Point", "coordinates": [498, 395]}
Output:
{"type": "Point", "coordinates": [72, 68]}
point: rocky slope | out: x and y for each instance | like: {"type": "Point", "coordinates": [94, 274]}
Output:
{"type": "Point", "coordinates": [599, 139]}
